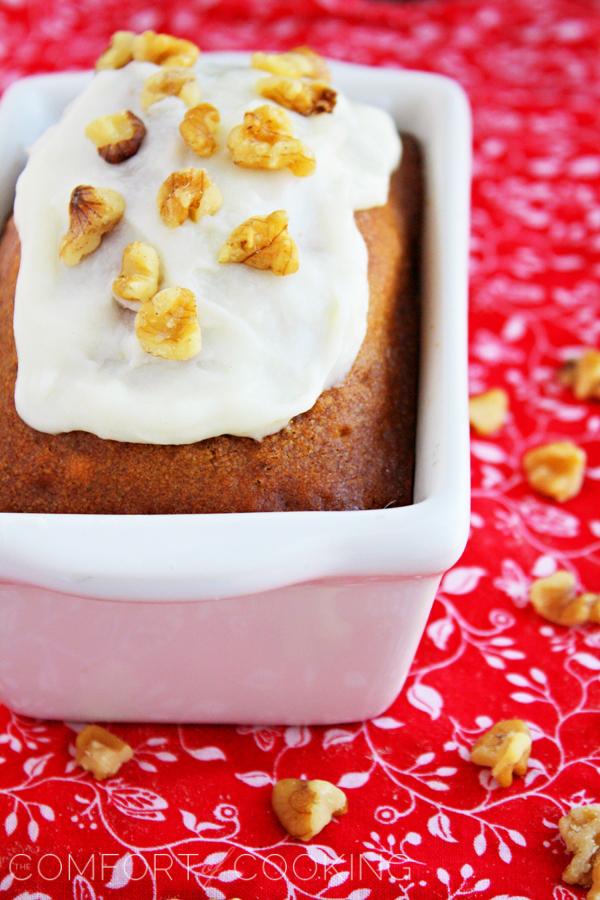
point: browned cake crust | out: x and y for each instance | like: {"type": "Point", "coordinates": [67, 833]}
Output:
{"type": "Point", "coordinates": [353, 450]}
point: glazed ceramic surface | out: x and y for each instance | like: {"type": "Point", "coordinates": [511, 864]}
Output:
{"type": "Point", "coordinates": [317, 614]}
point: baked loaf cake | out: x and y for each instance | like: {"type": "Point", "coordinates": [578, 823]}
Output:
{"type": "Point", "coordinates": [351, 446]}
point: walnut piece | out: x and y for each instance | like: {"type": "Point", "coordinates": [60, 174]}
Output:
{"type": "Point", "coordinates": [164, 49]}
{"type": "Point", "coordinates": [592, 601]}
{"type": "Point", "coordinates": [301, 62]}
{"type": "Point", "coordinates": [100, 752]}
{"type": "Point", "coordinates": [556, 470]}
{"type": "Point", "coordinates": [118, 53]}
{"type": "Point", "coordinates": [556, 599]}
{"type": "Point", "coordinates": [117, 137]}
{"type": "Point", "coordinates": [187, 194]}
{"type": "Point", "coordinates": [199, 128]}
{"type": "Point", "coordinates": [265, 141]}
{"type": "Point", "coordinates": [308, 98]}
{"type": "Point", "coordinates": [488, 411]}
{"type": "Point", "coordinates": [167, 324]}
{"type": "Point", "coordinates": [263, 242]}
{"type": "Point", "coordinates": [179, 83]}
{"type": "Point", "coordinates": [140, 274]}
{"type": "Point", "coordinates": [304, 808]}
{"type": "Point", "coordinates": [583, 375]}
{"type": "Point", "coordinates": [505, 748]}
{"type": "Point", "coordinates": [93, 212]}
{"type": "Point", "coordinates": [580, 830]}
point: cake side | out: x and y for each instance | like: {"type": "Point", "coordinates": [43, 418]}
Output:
{"type": "Point", "coordinates": [354, 449]}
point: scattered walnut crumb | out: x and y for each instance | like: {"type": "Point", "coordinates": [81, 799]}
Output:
{"type": "Point", "coordinates": [187, 194]}
{"type": "Point", "coordinates": [164, 49]}
{"type": "Point", "coordinates": [167, 324]}
{"type": "Point", "coordinates": [505, 748]}
{"type": "Point", "coordinates": [93, 212]}
{"type": "Point", "coordinates": [140, 274]}
{"type": "Point", "coordinates": [304, 808]}
{"type": "Point", "coordinates": [566, 372]}
{"type": "Point", "coordinates": [580, 830]}
{"type": "Point", "coordinates": [556, 470]}
{"type": "Point", "coordinates": [117, 137]}
{"type": "Point", "coordinates": [265, 141]}
{"type": "Point", "coordinates": [583, 375]}
{"type": "Point", "coordinates": [199, 128]}
{"type": "Point", "coordinates": [119, 52]}
{"type": "Point", "coordinates": [179, 83]}
{"type": "Point", "coordinates": [308, 98]}
{"type": "Point", "coordinates": [100, 752]}
{"type": "Point", "coordinates": [592, 601]}
{"type": "Point", "coordinates": [301, 62]}
{"type": "Point", "coordinates": [263, 242]}
{"type": "Point", "coordinates": [488, 411]}
{"type": "Point", "coordinates": [556, 599]}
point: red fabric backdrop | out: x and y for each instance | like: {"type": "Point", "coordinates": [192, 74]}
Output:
{"type": "Point", "coordinates": [423, 822]}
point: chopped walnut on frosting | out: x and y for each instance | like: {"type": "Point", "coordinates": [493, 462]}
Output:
{"type": "Point", "coordinates": [583, 375]}
{"type": "Point", "coordinates": [119, 52]}
{"type": "Point", "coordinates": [488, 411]}
{"type": "Point", "coordinates": [301, 62]}
{"type": "Point", "coordinates": [171, 83]}
{"type": "Point", "coordinates": [580, 830]}
{"type": "Point", "coordinates": [556, 470]}
{"type": "Point", "coordinates": [187, 194]}
{"type": "Point", "coordinates": [265, 141]}
{"type": "Point", "coordinates": [304, 807]}
{"type": "Point", "coordinates": [308, 98]}
{"type": "Point", "coordinates": [100, 752]}
{"type": "Point", "coordinates": [167, 324]}
{"type": "Point", "coordinates": [93, 212]}
{"type": "Point", "coordinates": [199, 128]}
{"type": "Point", "coordinates": [140, 275]}
{"type": "Point", "coordinates": [117, 137]}
{"type": "Point", "coordinates": [505, 748]}
{"type": "Point", "coordinates": [263, 242]}
{"type": "Point", "coordinates": [162, 49]}
{"type": "Point", "coordinates": [556, 599]}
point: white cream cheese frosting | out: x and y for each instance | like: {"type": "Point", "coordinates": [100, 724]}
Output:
{"type": "Point", "coordinates": [270, 345]}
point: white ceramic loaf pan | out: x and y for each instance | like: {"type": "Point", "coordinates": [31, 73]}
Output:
{"type": "Point", "coordinates": [287, 617]}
